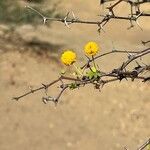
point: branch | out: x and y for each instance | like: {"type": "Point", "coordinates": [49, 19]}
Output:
{"type": "Point", "coordinates": [45, 87]}
{"type": "Point", "coordinates": [133, 57]}
{"type": "Point", "coordinates": [145, 42]}
{"type": "Point", "coordinates": [147, 143]}
{"type": "Point", "coordinates": [98, 78]}
{"type": "Point", "coordinates": [129, 53]}
{"type": "Point", "coordinates": [101, 78]}
{"type": "Point", "coordinates": [106, 18]}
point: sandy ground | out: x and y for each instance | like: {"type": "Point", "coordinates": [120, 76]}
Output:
{"type": "Point", "coordinates": [84, 119]}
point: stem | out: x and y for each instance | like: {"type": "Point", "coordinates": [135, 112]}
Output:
{"type": "Point", "coordinates": [78, 70]}
{"type": "Point", "coordinates": [94, 62]}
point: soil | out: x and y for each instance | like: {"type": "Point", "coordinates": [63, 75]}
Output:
{"type": "Point", "coordinates": [84, 119]}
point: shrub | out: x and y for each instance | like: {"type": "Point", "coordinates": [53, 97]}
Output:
{"type": "Point", "coordinates": [12, 13]}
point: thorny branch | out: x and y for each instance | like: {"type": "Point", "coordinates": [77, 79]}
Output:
{"type": "Point", "coordinates": [143, 146]}
{"type": "Point", "coordinates": [145, 42]}
{"type": "Point", "coordinates": [129, 53]}
{"type": "Point", "coordinates": [105, 77]}
{"type": "Point", "coordinates": [120, 73]}
{"type": "Point", "coordinates": [100, 23]}
{"type": "Point", "coordinates": [147, 143]}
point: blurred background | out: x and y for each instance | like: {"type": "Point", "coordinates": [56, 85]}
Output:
{"type": "Point", "coordinates": [84, 119]}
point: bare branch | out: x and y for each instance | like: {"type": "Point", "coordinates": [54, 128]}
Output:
{"type": "Point", "coordinates": [106, 18]}
{"type": "Point", "coordinates": [144, 145]}
{"type": "Point", "coordinates": [114, 51]}
{"type": "Point", "coordinates": [101, 78]}
{"type": "Point", "coordinates": [135, 57]}
{"type": "Point", "coordinates": [145, 42]}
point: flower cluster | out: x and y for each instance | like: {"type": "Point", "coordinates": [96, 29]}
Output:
{"type": "Point", "coordinates": [69, 57]}
{"type": "Point", "coordinates": [91, 48]}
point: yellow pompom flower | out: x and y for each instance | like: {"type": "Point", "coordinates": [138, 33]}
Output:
{"type": "Point", "coordinates": [68, 57]}
{"type": "Point", "coordinates": [91, 48]}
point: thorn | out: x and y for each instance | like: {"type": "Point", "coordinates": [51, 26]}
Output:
{"type": "Point", "coordinates": [138, 25]}
{"type": "Point", "coordinates": [138, 64]}
{"type": "Point", "coordinates": [131, 26]}
{"type": "Point", "coordinates": [101, 26]}
{"type": "Point", "coordinates": [44, 85]}
{"type": "Point", "coordinates": [130, 55]}
{"type": "Point", "coordinates": [49, 98]}
{"type": "Point", "coordinates": [36, 11]}
{"type": "Point", "coordinates": [65, 20]}
{"type": "Point", "coordinates": [15, 98]}
{"type": "Point", "coordinates": [66, 24]}
{"type": "Point", "coordinates": [44, 100]}
{"type": "Point", "coordinates": [146, 79]}
{"type": "Point", "coordinates": [87, 57]}
{"type": "Point", "coordinates": [139, 15]}
{"type": "Point", "coordinates": [56, 102]}
{"type": "Point", "coordinates": [73, 14]}
{"type": "Point", "coordinates": [143, 42]}
{"type": "Point", "coordinates": [113, 46]}
{"type": "Point", "coordinates": [44, 20]}
{"type": "Point", "coordinates": [125, 148]}
{"type": "Point", "coordinates": [31, 89]}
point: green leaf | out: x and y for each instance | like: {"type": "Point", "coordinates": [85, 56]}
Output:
{"type": "Point", "coordinates": [93, 74]}
{"type": "Point", "coordinates": [73, 86]}
{"type": "Point", "coordinates": [63, 72]}
{"type": "Point", "coordinates": [94, 69]}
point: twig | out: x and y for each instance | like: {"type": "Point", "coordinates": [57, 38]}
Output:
{"type": "Point", "coordinates": [145, 42]}
{"type": "Point", "coordinates": [135, 57]}
{"type": "Point", "coordinates": [100, 78]}
{"type": "Point", "coordinates": [114, 51]}
{"type": "Point", "coordinates": [144, 145]}
{"type": "Point", "coordinates": [45, 86]}
{"type": "Point", "coordinates": [106, 18]}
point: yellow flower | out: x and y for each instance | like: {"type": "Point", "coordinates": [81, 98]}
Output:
{"type": "Point", "coordinates": [91, 48]}
{"type": "Point", "coordinates": [68, 57]}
